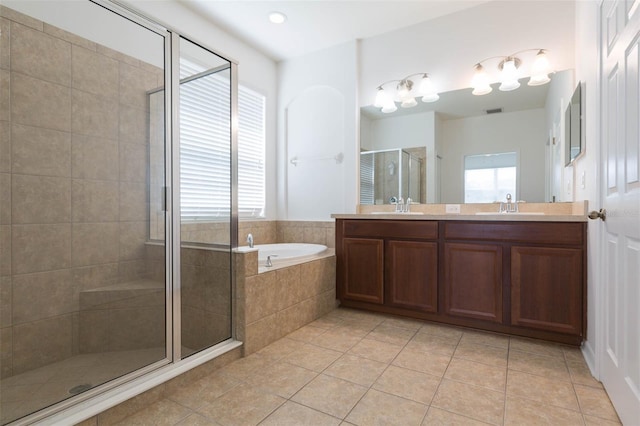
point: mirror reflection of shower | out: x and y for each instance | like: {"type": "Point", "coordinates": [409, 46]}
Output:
{"type": "Point", "coordinates": [392, 173]}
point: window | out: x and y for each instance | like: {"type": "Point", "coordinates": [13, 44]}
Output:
{"type": "Point", "coordinates": [205, 179]}
{"type": "Point", "coordinates": [489, 177]}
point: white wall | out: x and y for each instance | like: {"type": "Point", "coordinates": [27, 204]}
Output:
{"type": "Point", "coordinates": [403, 131]}
{"type": "Point", "coordinates": [587, 72]}
{"type": "Point", "coordinates": [255, 70]}
{"type": "Point", "coordinates": [522, 132]}
{"type": "Point", "coordinates": [314, 194]}
{"type": "Point", "coordinates": [448, 47]}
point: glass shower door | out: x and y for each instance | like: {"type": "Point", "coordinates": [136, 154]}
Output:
{"type": "Point", "coordinates": [205, 198]}
{"type": "Point", "coordinates": [83, 288]}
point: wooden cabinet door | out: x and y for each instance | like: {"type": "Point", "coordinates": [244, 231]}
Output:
{"type": "Point", "coordinates": [363, 269]}
{"type": "Point", "coordinates": [473, 281]}
{"type": "Point", "coordinates": [546, 288]}
{"type": "Point", "coordinates": [412, 275]}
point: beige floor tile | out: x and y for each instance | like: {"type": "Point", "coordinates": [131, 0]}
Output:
{"type": "Point", "coordinates": [306, 333]}
{"type": "Point", "coordinates": [379, 408]}
{"type": "Point", "coordinates": [292, 414]}
{"type": "Point", "coordinates": [446, 331]}
{"type": "Point", "coordinates": [281, 348]}
{"type": "Point", "coordinates": [595, 402]}
{"type": "Point", "coordinates": [541, 389]}
{"type": "Point", "coordinates": [572, 353]}
{"type": "Point", "coordinates": [478, 374]}
{"type": "Point", "coordinates": [408, 323]}
{"type": "Point", "coordinates": [597, 421]}
{"type": "Point", "coordinates": [246, 367]}
{"type": "Point", "coordinates": [313, 357]}
{"type": "Point", "coordinates": [540, 365]}
{"type": "Point", "coordinates": [356, 369]}
{"type": "Point", "coordinates": [485, 338]}
{"type": "Point", "coordinates": [580, 374]}
{"type": "Point", "coordinates": [430, 363]}
{"type": "Point", "coordinates": [376, 350]}
{"type": "Point", "coordinates": [282, 379]}
{"type": "Point", "coordinates": [327, 322]}
{"type": "Point", "coordinates": [330, 395]}
{"type": "Point", "coordinates": [208, 389]}
{"type": "Point", "coordinates": [432, 343]}
{"type": "Point", "coordinates": [539, 347]}
{"type": "Point", "coordinates": [471, 401]}
{"type": "Point", "coordinates": [336, 341]}
{"type": "Point", "coordinates": [438, 417]}
{"type": "Point", "coordinates": [483, 354]}
{"type": "Point", "coordinates": [408, 384]}
{"type": "Point", "coordinates": [242, 405]}
{"type": "Point", "coordinates": [526, 412]}
{"type": "Point", "coordinates": [197, 420]}
{"type": "Point", "coordinates": [352, 329]}
{"type": "Point", "coordinates": [390, 334]}
{"type": "Point", "coordinates": [163, 412]}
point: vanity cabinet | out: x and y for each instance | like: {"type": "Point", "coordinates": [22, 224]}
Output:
{"type": "Point", "coordinates": [472, 281]}
{"type": "Point", "coordinates": [519, 277]}
{"type": "Point", "coordinates": [390, 263]}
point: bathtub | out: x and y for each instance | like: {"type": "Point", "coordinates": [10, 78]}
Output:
{"type": "Point", "coordinates": [286, 254]}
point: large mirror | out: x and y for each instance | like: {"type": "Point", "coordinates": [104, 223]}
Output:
{"type": "Point", "coordinates": [471, 148]}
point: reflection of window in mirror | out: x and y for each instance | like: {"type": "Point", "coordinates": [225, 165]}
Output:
{"type": "Point", "coordinates": [489, 177]}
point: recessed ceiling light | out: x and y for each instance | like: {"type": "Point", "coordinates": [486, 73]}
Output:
{"type": "Point", "coordinates": [277, 17]}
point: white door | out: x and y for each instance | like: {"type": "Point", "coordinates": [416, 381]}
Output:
{"type": "Point", "coordinates": [620, 156]}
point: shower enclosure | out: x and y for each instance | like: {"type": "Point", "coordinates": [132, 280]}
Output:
{"type": "Point", "coordinates": [105, 165]}
{"type": "Point", "coordinates": [391, 173]}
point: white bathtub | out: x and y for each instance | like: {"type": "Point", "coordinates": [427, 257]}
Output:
{"type": "Point", "coordinates": [288, 252]}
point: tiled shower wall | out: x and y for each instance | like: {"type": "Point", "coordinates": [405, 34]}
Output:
{"type": "Point", "coordinates": [73, 168]}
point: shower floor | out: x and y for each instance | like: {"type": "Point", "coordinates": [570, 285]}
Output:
{"type": "Point", "coordinates": [25, 393]}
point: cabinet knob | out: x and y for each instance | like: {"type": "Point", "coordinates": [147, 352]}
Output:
{"type": "Point", "coordinates": [602, 214]}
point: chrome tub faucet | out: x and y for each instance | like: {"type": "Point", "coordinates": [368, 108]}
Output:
{"type": "Point", "coordinates": [250, 240]}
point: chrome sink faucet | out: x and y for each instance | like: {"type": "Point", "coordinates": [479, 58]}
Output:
{"type": "Point", "coordinates": [250, 240]}
{"type": "Point", "coordinates": [509, 206]}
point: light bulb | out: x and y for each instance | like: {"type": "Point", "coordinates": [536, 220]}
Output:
{"type": "Point", "coordinates": [409, 102]}
{"type": "Point", "coordinates": [389, 108]}
{"type": "Point", "coordinates": [540, 70]}
{"type": "Point", "coordinates": [403, 90]}
{"type": "Point", "coordinates": [480, 81]}
{"type": "Point", "coordinates": [427, 91]}
{"type": "Point", "coordinates": [382, 98]}
{"type": "Point", "coordinates": [509, 75]}
{"type": "Point", "coordinates": [277, 17]}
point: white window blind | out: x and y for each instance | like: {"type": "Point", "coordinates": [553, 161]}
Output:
{"type": "Point", "coordinates": [367, 178]}
{"type": "Point", "coordinates": [205, 148]}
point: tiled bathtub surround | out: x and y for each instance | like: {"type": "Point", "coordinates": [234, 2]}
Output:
{"type": "Point", "coordinates": [362, 369]}
{"type": "Point", "coordinates": [73, 179]}
{"type": "Point", "coordinates": [263, 231]}
{"type": "Point", "coordinates": [271, 304]}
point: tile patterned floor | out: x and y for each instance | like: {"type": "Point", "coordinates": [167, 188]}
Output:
{"type": "Point", "coordinates": [357, 368]}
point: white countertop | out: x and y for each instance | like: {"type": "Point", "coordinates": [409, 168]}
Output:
{"type": "Point", "coordinates": [505, 217]}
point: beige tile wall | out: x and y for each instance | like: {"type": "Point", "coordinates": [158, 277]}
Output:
{"type": "Point", "coordinates": [73, 176]}
{"type": "Point", "coordinates": [205, 297]}
{"type": "Point", "coordinates": [273, 304]}
{"type": "Point", "coordinates": [263, 231]}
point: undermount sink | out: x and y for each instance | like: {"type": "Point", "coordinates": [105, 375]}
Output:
{"type": "Point", "coordinates": [510, 214]}
{"type": "Point", "coordinates": [398, 213]}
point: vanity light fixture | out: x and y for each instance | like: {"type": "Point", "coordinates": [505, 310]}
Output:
{"type": "Point", "coordinates": [508, 67]}
{"type": "Point", "coordinates": [406, 92]}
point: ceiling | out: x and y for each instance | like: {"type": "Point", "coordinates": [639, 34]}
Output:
{"type": "Point", "coordinates": [318, 24]}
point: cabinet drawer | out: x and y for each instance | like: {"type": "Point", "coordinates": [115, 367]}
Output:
{"type": "Point", "coordinates": [532, 232]}
{"type": "Point", "coordinates": [417, 229]}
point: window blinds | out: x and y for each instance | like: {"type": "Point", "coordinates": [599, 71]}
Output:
{"type": "Point", "coordinates": [205, 146]}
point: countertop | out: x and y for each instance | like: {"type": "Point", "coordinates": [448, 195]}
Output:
{"type": "Point", "coordinates": [487, 212]}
